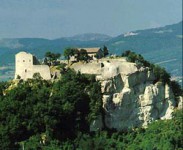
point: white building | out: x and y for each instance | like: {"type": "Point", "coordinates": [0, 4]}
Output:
{"type": "Point", "coordinates": [26, 65]}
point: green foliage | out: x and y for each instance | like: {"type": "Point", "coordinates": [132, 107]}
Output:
{"type": "Point", "coordinates": [61, 66]}
{"type": "Point", "coordinates": [83, 55]}
{"type": "Point", "coordinates": [160, 73]}
{"type": "Point", "coordinates": [96, 101]}
{"type": "Point", "coordinates": [135, 58]}
{"type": "Point", "coordinates": [52, 56]}
{"type": "Point", "coordinates": [60, 114]}
{"type": "Point", "coordinates": [36, 142]}
{"type": "Point", "coordinates": [160, 135]}
{"type": "Point", "coordinates": [105, 51]}
{"type": "Point", "coordinates": [68, 52]}
{"type": "Point", "coordinates": [19, 112]}
{"type": "Point", "coordinates": [37, 76]}
{"type": "Point", "coordinates": [3, 87]}
{"type": "Point", "coordinates": [18, 77]}
{"type": "Point", "coordinates": [60, 110]}
{"type": "Point", "coordinates": [176, 88]}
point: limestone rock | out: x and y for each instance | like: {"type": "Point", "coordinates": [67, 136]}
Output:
{"type": "Point", "coordinates": [180, 104]}
{"type": "Point", "coordinates": [130, 99]}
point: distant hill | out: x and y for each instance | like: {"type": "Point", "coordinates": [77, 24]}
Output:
{"type": "Point", "coordinates": [160, 45]}
{"type": "Point", "coordinates": [144, 41]}
{"type": "Point", "coordinates": [90, 37]}
{"type": "Point", "coordinates": [38, 46]}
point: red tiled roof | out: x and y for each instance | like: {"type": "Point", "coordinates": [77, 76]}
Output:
{"type": "Point", "coordinates": [91, 50]}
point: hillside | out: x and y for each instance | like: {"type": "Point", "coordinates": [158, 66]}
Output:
{"type": "Point", "coordinates": [117, 105]}
{"type": "Point", "coordinates": [160, 45]}
{"type": "Point", "coordinates": [144, 41]}
{"type": "Point", "coordinates": [90, 37]}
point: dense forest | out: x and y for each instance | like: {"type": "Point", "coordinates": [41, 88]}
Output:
{"type": "Point", "coordinates": [56, 111]}
{"type": "Point", "coordinates": [40, 114]}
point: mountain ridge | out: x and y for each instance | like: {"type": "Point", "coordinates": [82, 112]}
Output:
{"type": "Point", "coordinates": [155, 44]}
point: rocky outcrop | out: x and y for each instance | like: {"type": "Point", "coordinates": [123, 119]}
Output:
{"type": "Point", "coordinates": [180, 103]}
{"type": "Point", "coordinates": [130, 99]}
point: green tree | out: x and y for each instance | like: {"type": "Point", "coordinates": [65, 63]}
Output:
{"type": "Point", "coordinates": [105, 51]}
{"type": "Point", "coordinates": [20, 111]}
{"type": "Point", "coordinates": [37, 76]}
{"type": "Point", "coordinates": [95, 101]}
{"type": "Point", "coordinates": [83, 55]}
{"type": "Point", "coordinates": [176, 88]}
{"type": "Point", "coordinates": [161, 74]}
{"type": "Point", "coordinates": [52, 57]}
{"type": "Point", "coordinates": [68, 52]}
{"type": "Point", "coordinates": [3, 86]}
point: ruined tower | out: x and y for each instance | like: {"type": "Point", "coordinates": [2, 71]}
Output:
{"type": "Point", "coordinates": [26, 65]}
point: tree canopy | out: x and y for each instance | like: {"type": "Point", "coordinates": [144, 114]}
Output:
{"type": "Point", "coordinates": [58, 110]}
{"type": "Point", "coordinates": [68, 52]}
{"type": "Point", "coordinates": [52, 56]}
{"type": "Point", "coordinates": [83, 55]}
{"type": "Point", "coordinates": [159, 72]}
{"type": "Point", "coordinates": [105, 51]}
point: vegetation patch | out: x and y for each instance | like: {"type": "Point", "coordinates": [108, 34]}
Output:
{"type": "Point", "coordinates": [160, 73]}
{"type": "Point", "coordinates": [39, 111]}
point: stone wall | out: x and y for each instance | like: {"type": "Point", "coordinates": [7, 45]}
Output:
{"type": "Point", "coordinates": [26, 65]}
{"type": "Point", "coordinates": [44, 71]}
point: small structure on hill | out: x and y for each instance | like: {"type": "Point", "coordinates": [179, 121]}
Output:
{"type": "Point", "coordinates": [94, 52]}
{"type": "Point", "coordinates": [26, 65]}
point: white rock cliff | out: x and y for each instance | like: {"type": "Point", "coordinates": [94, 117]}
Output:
{"type": "Point", "coordinates": [130, 99]}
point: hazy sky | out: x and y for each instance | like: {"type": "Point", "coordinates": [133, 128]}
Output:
{"type": "Point", "coordinates": [59, 18]}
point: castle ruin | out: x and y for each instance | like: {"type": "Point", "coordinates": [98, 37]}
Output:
{"type": "Point", "coordinates": [26, 65]}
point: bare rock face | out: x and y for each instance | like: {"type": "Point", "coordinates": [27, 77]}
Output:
{"type": "Point", "coordinates": [180, 104]}
{"type": "Point", "coordinates": [130, 99]}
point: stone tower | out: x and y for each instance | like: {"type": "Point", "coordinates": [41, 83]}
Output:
{"type": "Point", "coordinates": [26, 65]}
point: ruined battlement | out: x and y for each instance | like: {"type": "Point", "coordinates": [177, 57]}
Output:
{"type": "Point", "coordinates": [27, 64]}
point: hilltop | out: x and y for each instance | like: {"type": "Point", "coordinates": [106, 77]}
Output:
{"type": "Point", "coordinates": [115, 102]}
{"type": "Point", "coordinates": [160, 45]}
